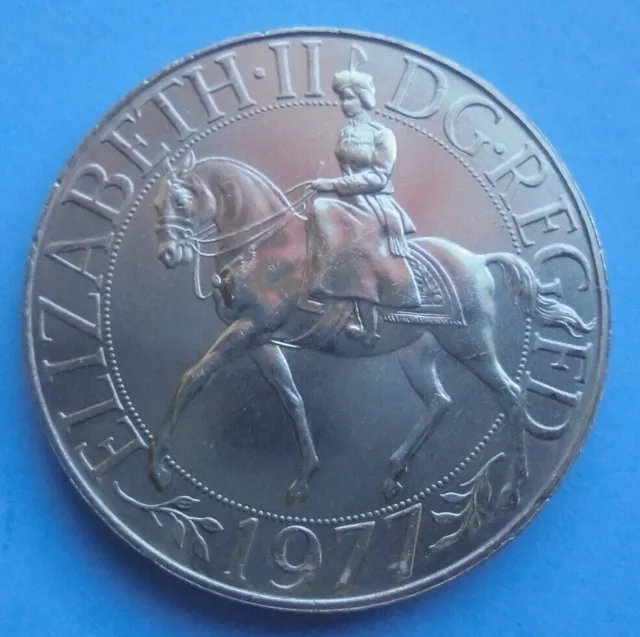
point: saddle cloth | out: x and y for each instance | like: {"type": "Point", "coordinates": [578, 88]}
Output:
{"type": "Point", "coordinates": [439, 305]}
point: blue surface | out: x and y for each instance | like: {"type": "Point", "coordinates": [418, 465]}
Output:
{"type": "Point", "coordinates": [572, 67]}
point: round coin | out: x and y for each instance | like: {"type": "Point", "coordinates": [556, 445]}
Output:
{"type": "Point", "coordinates": [317, 319]}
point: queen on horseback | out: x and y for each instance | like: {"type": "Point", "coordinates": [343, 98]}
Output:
{"type": "Point", "coordinates": [268, 259]}
{"type": "Point", "coordinates": [364, 201]}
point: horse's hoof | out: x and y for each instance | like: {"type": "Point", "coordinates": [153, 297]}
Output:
{"type": "Point", "coordinates": [160, 476]}
{"type": "Point", "coordinates": [509, 497]}
{"type": "Point", "coordinates": [298, 493]}
{"type": "Point", "coordinates": [392, 489]}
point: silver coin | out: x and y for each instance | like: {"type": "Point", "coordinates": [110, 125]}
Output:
{"type": "Point", "coordinates": [317, 320]}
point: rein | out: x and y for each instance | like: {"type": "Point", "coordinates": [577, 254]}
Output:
{"type": "Point", "coordinates": [252, 235]}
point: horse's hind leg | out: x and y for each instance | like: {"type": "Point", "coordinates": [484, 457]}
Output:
{"type": "Point", "coordinates": [419, 365]}
{"type": "Point", "coordinates": [275, 369]}
{"type": "Point", "coordinates": [475, 348]}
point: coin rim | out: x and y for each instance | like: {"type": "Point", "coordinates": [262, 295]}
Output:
{"type": "Point", "coordinates": [585, 421]}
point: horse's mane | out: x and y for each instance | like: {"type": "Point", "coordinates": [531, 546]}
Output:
{"type": "Point", "coordinates": [242, 193]}
{"type": "Point", "coordinates": [246, 169]}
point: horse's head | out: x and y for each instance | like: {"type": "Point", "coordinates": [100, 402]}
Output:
{"type": "Point", "coordinates": [183, 204]}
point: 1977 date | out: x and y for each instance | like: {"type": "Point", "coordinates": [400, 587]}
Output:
{"type": "Point", "coordinates": [302, 569]}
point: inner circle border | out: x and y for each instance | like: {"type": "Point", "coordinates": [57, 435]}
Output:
{"type": "Point", "coordinates": [145, 431]}
{"type": "Point", "coordinates": [584, 423]}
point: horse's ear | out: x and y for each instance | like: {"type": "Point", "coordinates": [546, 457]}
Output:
{"type": "Point", "coordinates": [168, 167]}
{"type": "Point", "coordinates": [188, 163]}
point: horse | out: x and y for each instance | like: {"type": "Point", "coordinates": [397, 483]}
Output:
{"type": "Point", "coordinates": [258, 241]}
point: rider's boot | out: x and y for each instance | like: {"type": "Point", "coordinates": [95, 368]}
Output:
{"type": "Point", "coordinates": [365, 329]}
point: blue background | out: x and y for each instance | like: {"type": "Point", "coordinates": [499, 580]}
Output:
{"type": "Point", "coordinates": [571, 66]}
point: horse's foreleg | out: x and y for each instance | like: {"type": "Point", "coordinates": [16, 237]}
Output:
{"type": "Point", "coordinates": [274, 367]}
{"type": "Point", "coordinates": [419, 365]}
{"type": "Point", "coordinates": [236, 340]}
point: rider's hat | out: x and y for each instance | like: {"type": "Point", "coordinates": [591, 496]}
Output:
{"type": "Point", "coordinates": [361, 83]}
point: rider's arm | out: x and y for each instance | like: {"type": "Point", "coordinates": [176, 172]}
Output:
{"type": "Point", "coordinates": [375, 177]}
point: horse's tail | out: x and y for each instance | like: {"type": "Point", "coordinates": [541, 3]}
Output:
{"type": "Point", "coordinates": [525, 286]}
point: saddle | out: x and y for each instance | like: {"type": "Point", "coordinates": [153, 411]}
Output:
{"type": "Point", "coordinates": [439, 300]}
{"type": "Point", "coordinates": [439, 305]}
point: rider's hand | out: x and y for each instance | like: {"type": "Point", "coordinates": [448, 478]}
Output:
{"type": "Point", "coordinates": [323, 185]}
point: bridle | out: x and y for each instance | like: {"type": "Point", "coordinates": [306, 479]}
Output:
{"type": "Point", "coordinates": [204, 245]}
